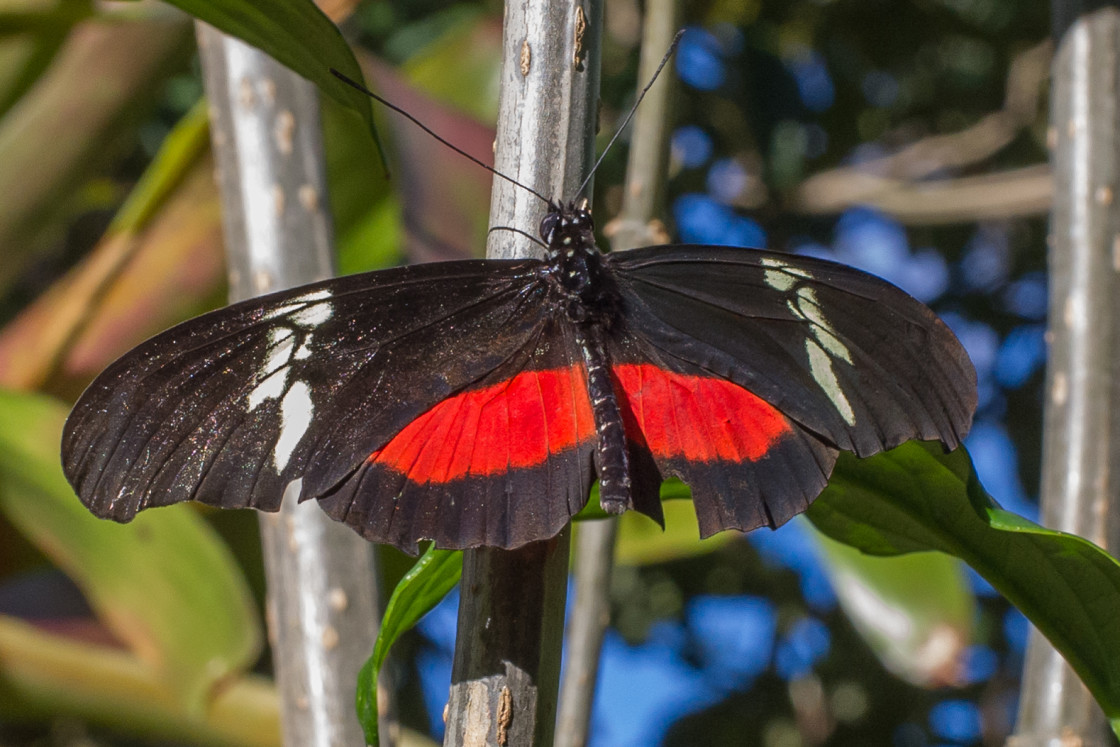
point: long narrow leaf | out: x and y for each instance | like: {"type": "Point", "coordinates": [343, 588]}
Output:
{"type": "Point", "coordinates": [429, 581]}
{"type": "Point", "coordinates": [294, 32]}
{"type": "Point", "coordinates": [164, 584]}
{"type": "Point", "coordinates": [915, 610]}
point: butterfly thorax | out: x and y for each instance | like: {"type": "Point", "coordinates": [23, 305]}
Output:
{"type": "Point", "coordinates": [576, 265]}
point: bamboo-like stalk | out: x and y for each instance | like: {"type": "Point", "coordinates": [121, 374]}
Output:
{"type": "Point", "coordinates": [643, 197]}
{"type": "Point", "coordinates": [1082, 435]}
{"type": "Point", "coordinates": [511, 613]}
{"type": "Point", "coordinates": [322, 610]}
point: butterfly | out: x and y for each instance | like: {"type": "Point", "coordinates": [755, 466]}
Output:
{"type": "Point", "coordinates": [475, 402]}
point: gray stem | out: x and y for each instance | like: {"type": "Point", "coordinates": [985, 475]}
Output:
{"type": "Point", "coordinates": [1082, 436]}
{"type": "Point", "coordinates": [322, 583]}
{"type": "Point", "coordinates": [507, 652]}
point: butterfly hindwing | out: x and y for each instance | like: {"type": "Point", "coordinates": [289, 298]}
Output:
{"type": "Point", "coordinates": [230, 407]}
{"type": "Point", "coordinates": [745, 462]}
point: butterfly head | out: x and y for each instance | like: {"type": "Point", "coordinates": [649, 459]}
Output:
{"type": "Point", "coordinates": [568, 227]}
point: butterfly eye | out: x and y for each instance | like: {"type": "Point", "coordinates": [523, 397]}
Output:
{"type": "Point", "coordinates": [548, 225]}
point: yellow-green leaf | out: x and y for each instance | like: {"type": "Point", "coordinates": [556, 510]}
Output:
{"type": "Point", "coordinates": [164, 584]}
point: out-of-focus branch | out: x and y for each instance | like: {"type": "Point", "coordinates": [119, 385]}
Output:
{"type": "Point", "coordinates": [63, 128]}
{"type": "Point", "coordinates": [1005, 194]}
{"type": "Point", "coordinates": [1081, 441]}
{"type": "Point", "coordinates": [643, 195]}
{"type": "Point", "coordinates": [321, 580]}
{"type": "Point", "coordinates": [894, 183]}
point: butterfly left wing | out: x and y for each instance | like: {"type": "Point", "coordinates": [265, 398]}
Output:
{"type": "Point", "coordinates": [313, 383]}
{"type": "Point", "coordinates": [789, 359]}
{"type": "Point", "coordinates": [505, 461]}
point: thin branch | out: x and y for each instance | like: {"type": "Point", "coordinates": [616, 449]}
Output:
{"type": "Point", "coordinates": [897, 184]}
{"type": "Point", "coordinates": [511, 612]}
{"type": "Point", "coordinates": [1005, 194]}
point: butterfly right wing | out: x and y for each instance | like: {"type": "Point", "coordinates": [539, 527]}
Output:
{"type": "Point", "coordinates": [771, 364]}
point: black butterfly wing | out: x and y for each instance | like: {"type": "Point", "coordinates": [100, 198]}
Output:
{"type": "Point", "coordinates": [230, 407]}
{"type": "Point", "coordinates": [839, 359]}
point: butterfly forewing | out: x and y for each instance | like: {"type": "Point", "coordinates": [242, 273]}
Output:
{"type": "Point", "coordinates": [846, 355]}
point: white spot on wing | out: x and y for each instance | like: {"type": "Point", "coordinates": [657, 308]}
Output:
{"type": "Point", "coordinates": [281, 310]}
{"type": "Point", "coordinates": [295, 304]}
{"type": "Point", "coordinates": [820, 365]}
{"type": "Point", "coordinates": [270, 388]}
{"type": "Point", "coordinates": [775, 276]}
{"type": "Point", "coordinates": [779, 280]}
{"type": "Point", "coordinates": [277, 335]}
{"type": "Point", "coordinates": [313, 315]}
{"type": "Point", "coordinates": [279, 355]}
{"type": "Point", "coordinates": [296, 410]}
{"type": "Point", "coordinates": [807, 302]}
{"type": "Point", "coordinates": [281, 340]}
{"type": "Point", "coordinates": [320, 295]}
{"type": "Point", "coordinates": [832, 344]}
{"type": "Point", "coordinates": [809, 308]}
{"type": "Point", "coordinates": [805, 306]}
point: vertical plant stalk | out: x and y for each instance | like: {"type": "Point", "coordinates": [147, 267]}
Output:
{"type": "Point", "coordinates": [511, 612]}
{"type": "Point", "coordinates": [1082, 416]}
{"type": "Point", "coordinates": [322, 586]}
{"type": "Point", "coordinates": [643, 197]}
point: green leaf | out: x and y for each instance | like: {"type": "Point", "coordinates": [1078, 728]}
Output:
{"type": "Point", "coordinates": [641, 541]}
{"type": "Point", "coordinates": [456, 58]}
{"type": "Point", "coordinates": [919, 631]}
{"type": "Point", "coordinates": [916, 498]}
{"type": "Point", "coordinates": [164, 584]}
{"type": "Point", "coordinates": [296, 34]}
{"type": "Point", "coordinates": [182, 147]}
{"type": "Point", "coordinates": [422, 588]}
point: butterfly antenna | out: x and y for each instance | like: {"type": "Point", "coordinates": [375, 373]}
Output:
{"type": "Point", "coordinates": [354, 84]}
{"type": "Point", "coordinates": [656, 74]}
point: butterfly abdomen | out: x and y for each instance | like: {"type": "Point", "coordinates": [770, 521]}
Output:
{"type": "Point", "coordinates": [611, 449]}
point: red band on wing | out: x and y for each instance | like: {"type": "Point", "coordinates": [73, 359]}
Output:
{"type": "Point", "coordinates": [694, 417]}
{"type": "Point", "coordinates": [516, 423]}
